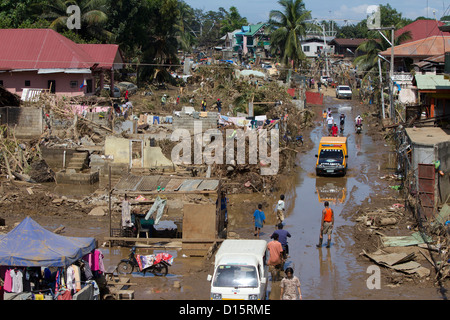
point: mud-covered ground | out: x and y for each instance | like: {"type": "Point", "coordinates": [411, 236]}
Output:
{"type": "Point", "coordinates": [187, 277]}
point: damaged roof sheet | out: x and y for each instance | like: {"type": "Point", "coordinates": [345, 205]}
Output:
{"type": "Point", "coordinates": [133, 183]}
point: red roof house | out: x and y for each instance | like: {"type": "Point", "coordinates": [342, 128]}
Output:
{"type": "Point", "coordinates": [422, 29]}
{"type": "Point", "coordinates": [44, 59]}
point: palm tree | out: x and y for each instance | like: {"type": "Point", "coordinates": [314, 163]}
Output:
{"type": "Point", "coordinates": [368, 63]}
{"type": "Point", "coordinates": [289, 26]}
{"type": "Point", "coordinates": [232, 20]}
{"type": "Point", "coordinates": [93, 17]}
{"type": "Point", "coordinates": [372, 47]}
{"type": "Point", "coordinates": [183, 31]}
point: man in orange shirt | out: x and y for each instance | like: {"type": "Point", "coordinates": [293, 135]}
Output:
{"type": "Point", "coordinates": [327, 224]}
{"type": "Point", "coordinates": [275, 256]}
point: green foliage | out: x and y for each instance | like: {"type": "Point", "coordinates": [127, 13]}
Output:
{"type": "Point", "coordinates": [288, 27]}
{"type": "Point", "coordinates": [232, 20]}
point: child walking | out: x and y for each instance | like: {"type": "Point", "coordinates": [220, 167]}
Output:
{"type": "Point", "coordinates": [259, 218]}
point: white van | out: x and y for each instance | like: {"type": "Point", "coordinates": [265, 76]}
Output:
{"type": "Point", "coordinates": [240, 270]}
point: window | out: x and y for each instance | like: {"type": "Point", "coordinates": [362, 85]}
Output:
{"type": "Point", "coordinates": [331, 156]}
{"type": "Point", "coordinates": [74, 84]}
{"type": "Point", "coordinates": [27, 83]}
{"type": "Point", "coordinates": [236, 276]}
{"type": "Point", "coordinates": [306, 49]}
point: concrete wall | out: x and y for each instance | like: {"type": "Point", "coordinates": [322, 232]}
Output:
{"type": "Point", "coordinates": [55, 157]}
{"type": "Point", "coordinates": [119, 148]}
{"type": "Point", "coordinates": [153, 157]}
{"type": "Point", "coordinates": [28, 121]}
{"type": "Point", "coordinates": [186, 121]}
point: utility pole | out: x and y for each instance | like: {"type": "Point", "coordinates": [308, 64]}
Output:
{"type": "Point", "coordinates": [374, 23]}
{"type": "Point", "coordinates": [391, 75]}
{"type": "Point", "coordinates": [391, 70]}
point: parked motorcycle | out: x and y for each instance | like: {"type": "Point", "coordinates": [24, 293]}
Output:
{"type": "Point", "coordinates": [157, 264]}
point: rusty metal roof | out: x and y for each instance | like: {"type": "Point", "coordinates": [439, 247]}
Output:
{"type": "Point", "coordinates": [146, 184]}
{"type": "Point", "coordinates": [431, 46]}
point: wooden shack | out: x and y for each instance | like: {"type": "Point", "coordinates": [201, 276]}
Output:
{"type": "Point", "coordinates": [193, 204]}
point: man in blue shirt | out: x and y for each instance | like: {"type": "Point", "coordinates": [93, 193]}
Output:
{"type": "Point", "coordinates": [282, 237]}
{"type": "Point", "coordinates": [259, 219]}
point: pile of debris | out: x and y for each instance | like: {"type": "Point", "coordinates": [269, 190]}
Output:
{"type": "Point", "coordinates": [406, 253]}
{"type": "Point", "coordinates": [22, 160]}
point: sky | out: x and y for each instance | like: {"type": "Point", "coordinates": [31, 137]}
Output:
{"type": "Point", "coordinates": [342, 11]}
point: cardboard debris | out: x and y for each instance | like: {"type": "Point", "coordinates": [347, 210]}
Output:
{"type": "Point", "coordinates": [399, 261]}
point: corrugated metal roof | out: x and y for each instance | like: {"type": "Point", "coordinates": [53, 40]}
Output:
{"type": "Point", "coordinates": [47, 49]}
{"type": "Point", "coordinates": [151, 183]}
{"type": "Point", "coordinates": [107, 55]}
{"type": "Point", "coordinates": [208, 185]}
{"type": "Point", "coordinates": [432, 82]}
{"type": "Point", "coordinates": [189, 185]}
{"type": "Point", "coordinates": [431, 46]}
{"type": "Point", "coordinates": [421, 29]}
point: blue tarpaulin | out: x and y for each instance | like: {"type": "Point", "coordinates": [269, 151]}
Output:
{"type": "Point", "coordinates": [31, 245]}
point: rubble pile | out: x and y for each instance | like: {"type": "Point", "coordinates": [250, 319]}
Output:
{"type": "Point", "coordinates": [22, 160]}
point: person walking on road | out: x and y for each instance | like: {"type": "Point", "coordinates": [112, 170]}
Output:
{"type": "Point", "coordinates": [327, 224]}
{"type": "Point", "coordinates": [330, 122]}
{"type": "Point", "coordinates": [280, 209]}
{"type": "Point", "coordinates": [290, 286]}
{"type": "Point", "coordinates": [259, 219]}
{"type": "Point", "coordinates": [275, 257]}
{"type": "Point", "coordinates": [334, 130]}
{"type": "Point", "coordinates": [282, 238]}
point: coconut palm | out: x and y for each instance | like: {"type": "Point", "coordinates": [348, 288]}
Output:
{"type": "Point", "coordinates": [93, 17]}
{"type": "Point", "coordinates": [289, 27]}
{"type": "Point", "coordinates": [232, 20]}
{"type": "Point", "coordinates": [372, 47]}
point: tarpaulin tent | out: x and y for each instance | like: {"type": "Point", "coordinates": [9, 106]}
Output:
{"type": "Point", "coordinates": [31, 245]}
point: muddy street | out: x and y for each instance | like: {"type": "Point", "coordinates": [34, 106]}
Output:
{"type": "Point", "coordinates": [339, 272]}
{"type": "Point", "coordinates": [335, 273]}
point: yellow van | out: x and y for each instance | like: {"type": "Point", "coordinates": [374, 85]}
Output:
{"type": "Point", "coordinates": [240, 270]}
{"type": "Point", "coordinates": [332, 156]}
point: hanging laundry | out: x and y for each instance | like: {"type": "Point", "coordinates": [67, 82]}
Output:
{"type": "Point", "coordinates": [17, 278]}
{"type": "Point", "coordinates": [7, 281]}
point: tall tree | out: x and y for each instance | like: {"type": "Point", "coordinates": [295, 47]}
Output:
{"type": "Point", "coordinates": [289, 27]}
{"type": "Point", "coordinates": [22, 14]}
{"type": "Point", "coordinates": [127, 20]}
{"type": "Point", "coordinates": [93, 17]}
{"type": "Point", "coordinates": [232, 20]}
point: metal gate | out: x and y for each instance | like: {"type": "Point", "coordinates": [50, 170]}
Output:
{"type": "Point", "coordinates": [427, 187]}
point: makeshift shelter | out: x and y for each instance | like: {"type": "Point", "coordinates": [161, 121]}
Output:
{"type": "Point", "coordinates": [195, 206]}
{"type": "Point", "coordinates": [31, 245]}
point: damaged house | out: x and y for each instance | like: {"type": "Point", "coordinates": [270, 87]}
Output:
{"type": "Point", "coordinates": [42, 59]}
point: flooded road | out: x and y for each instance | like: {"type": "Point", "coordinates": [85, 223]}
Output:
{"type": "Point", "coordinates": [337, 273]}
{"type": "Point", "coordinates": [327, 273]}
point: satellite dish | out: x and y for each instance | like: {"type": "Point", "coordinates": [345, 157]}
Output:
{"type": "Point", "coordinates": [373, 17]}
